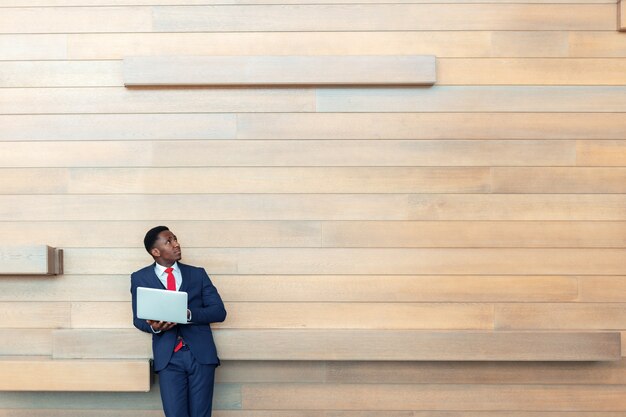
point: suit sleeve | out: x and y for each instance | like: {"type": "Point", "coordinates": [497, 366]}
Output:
{"type": "Point", "coordinates": [139, 323]}
{"type": "Point", "coordinates": [212, 309]}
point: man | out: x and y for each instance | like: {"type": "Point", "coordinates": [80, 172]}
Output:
{"type": "Point", "coordinates": [184, 354]}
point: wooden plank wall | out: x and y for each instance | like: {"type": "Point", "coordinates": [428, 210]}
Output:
{"type": "Point", "coordinates": [495, 200]}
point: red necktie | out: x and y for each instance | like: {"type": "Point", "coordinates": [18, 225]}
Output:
{"type": "Point", "coordinates": [171, 285]}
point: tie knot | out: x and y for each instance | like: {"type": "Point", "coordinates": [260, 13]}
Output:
{"type": "Point", "coordinates": [168, 270]}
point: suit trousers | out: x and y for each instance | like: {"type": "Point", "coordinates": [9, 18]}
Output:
{"type": "Point", "coordinates": [187, 386]}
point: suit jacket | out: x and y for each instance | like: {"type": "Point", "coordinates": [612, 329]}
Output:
{"type": "Point", "coordinates": [206, 307]}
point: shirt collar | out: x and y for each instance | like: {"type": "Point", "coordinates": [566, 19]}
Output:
{"type": "Point", "coordinates": [161, 269]}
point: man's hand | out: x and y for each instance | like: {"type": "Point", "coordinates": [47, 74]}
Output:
{"type": "Point", "coordinates": [159, 326]}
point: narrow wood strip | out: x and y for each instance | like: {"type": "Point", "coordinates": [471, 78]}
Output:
{"type": "Point", "coordinates": [35, 315]}
{"type": "Point", "coordinates": [279, 70]}
{"type": "Point", "coordinates": [560, 180]}
{"type": "Point", "coordinates": [602, 153]}
{"type": "Point", "coordinates": [602, 289]}
{"type": "Point", "coordinates": [30, 260]}
{"type": "Point", "coordinates": [26, 47]}
{"type": "Point", "coordinates": [411, 345]}
{"type": "Point", "coordinates": [562, 316]}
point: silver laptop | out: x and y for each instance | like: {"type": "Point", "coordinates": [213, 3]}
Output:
{"type": "Point", "coordinates": [161, 305]}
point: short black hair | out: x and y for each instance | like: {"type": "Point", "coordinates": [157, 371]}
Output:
{"type": "Point", "coordinates": [152, 236]}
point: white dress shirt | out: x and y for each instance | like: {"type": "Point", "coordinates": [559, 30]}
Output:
{"type": "Point", "coordinates": [159, 270]}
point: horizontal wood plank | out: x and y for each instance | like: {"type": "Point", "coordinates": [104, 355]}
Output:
{"type": "Point", "coordinates": [25, 47]}
{"type": "Point", "coordinates": [383, 126]}
{"type": "Point", "coordinates": [531, 71]}
{"type": "Point", "coordinates": [562, 316]}
{"type": "Point", "coordinates": [247, 207]}
{"type": "Point", "coordinates": [96, 344]}
{"type": "Point", "coordinates": [457, 397]}
{"type": "Point", "coordinates": [474, 234]}
{"type": "Point", "coordinates": [602, 289]}
{"type": "Point", "coordinates": [22, 374]}
{"type": "Point", "coordinates": [106, 315]}
{"type": "Point", "coordinates": [416, 345]}
{"type": "Point", "coordinates": [475, 98]}
{"type": "Point", "coordinates": [383, 17]}
{"type": "Point", "coordinates": [245, 180]}
{"type": "Point", "coordinates": [60, 73]}
{"type": "Point", "coordinates": [119, 127]}
{"type": "Point", "coordinates": [602, 153]}
{"type": "Point", "coordinates": [279, 70]}
{"type": "Point", "coordinates": [597, 44]}
{"type": "Point", "coordinates": [270, 153]}
{"type": "Point", "coordinates": [35, 3]}
{"type": "Point", "coordinates": [34, 315]}
{"type": "Point", "coordinates": [559, 180]}
{"type": "Point", "coordinates": [121, 100]}
{"type": "Point", "coordinates": [26, 341]}
{"type": "Point", "coordinates": [338, 261]}
{"type": "Point", "coordinates": [30, 260]}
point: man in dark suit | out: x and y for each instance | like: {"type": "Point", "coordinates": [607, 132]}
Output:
{"type": "Point", "coordinates": [185, 356]}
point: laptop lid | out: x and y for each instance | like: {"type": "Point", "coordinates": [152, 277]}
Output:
{"type": "Point", "coordinates": [162, 305]}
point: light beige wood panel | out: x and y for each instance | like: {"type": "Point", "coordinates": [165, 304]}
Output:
{"type": "Point", "coordinates": [395, 288]}
{"type": "Point", "coordinates": [60, 73]}
{"type": "Point", "coordinates": [244, 180]}
{"type": "Point", "coordinates": [88, 315]}
{"type": "Point", "coordinates": [381, 126]}
{"type": "Point", "coordinates": [602, 289]}
{"type": "Point", "coordinates": [474, 234]}
{"type": "Point", "coordinates": [542, 44]}
{"type": "Point", "coordinates": [117, 127]}
{"type": "Point", "coordinates": [431, 261]}
{"type": "Point", "coordinates": [383, 17]}
{"type": "Point", "coordinates": [67, 288]}
{"type": "Point", "coordinates": [275, 153]}
{"type": "Point", "coordinates": [602, 153]}
{"type": "Point", "coordinates": [35, 3]}
{"type": "Point", "coordinates": [21, 374]}
{"type": "Point", "coordinates": [279, 70]}
{"type": "Point", "coordinates": [496, 261]}
{"type": "Point", "coordinates": [517, 207]}
{"type": "Point", "coordinates": [122, 100]}
{"type": "Point", "coordinates": [16, 47]}
{"type": "Point", "coordinates": [75, 19]}
{"type": "Point", "coordinates": [226, 396]}
{"type": "Point", "coordinates": [34, 315]}
{"type": "Point", "coordinates": [417, 345]}
{"type": "Point", "coordinates": [434, 397]}
{"type": "Point", "coordinates": [531, 71]}
{"type": "Point", "coordinates": [190, 233]}
{"type": "Point", "coordinates": [480, 372]}
{"type": "Point", "coordinates": [90, 344]}
{"type": "Point", "coordinates": [63, 412]}
{"type": "Point", "coordinates": [271, 371]}
{"type": "Point", "coordinates": [26, 341]}
{"type": "Point", "coordinates": [623, 333]}
{"type": "Point", "coordinates": [303, 413]}
{"type": "Point", "coordinates": [597, 44]}
{"type": "Point", "coordinates": [30, 260]}
{"type": "Point", "coordinates": [474, 98]}
{"type": "Point", "coordinates": [601, 316]}
{"type": "Point", "coordinates": [621, 15]}
{"type": "Point", "coordinates": [314, 207]}
{"type": "Point", "coordinates": [249, 207]}
{"type": "Point", "coordinates": [559, 180]}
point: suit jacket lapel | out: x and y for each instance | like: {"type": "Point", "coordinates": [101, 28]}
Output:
{"type": "Point", "coordinates": [154, 277]}
{"type": "Point", "coordinates": [184, 276]}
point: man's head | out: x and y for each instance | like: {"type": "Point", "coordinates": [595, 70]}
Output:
{"type": "Point", "coordinates": [162, 245]}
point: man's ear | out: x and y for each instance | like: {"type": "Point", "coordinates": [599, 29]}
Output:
{"type": "Point", "coordinates": [155, 252]}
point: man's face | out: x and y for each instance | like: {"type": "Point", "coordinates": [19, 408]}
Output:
{"type": "Point", "coordinates": [166, 249]}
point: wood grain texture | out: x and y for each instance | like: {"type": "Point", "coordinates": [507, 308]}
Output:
{"type": "Point", "coordinates": [597, 44]}
{"type": "Point", "coordinates": [535, 71]}
{"type": "Point", "coordinates": [26, 342]}
{"type": "Point", "coordinates": [602, 289]}
{"type": "Point", "coordinates": [34, 315]}
{"type": "Point", "coordinates": [412, 345]}
{"type": "Point", "coordinates": [27, 47]}
{"type": "Point", "coordinates": [270, 153]}
{"type": "Point", "coordinates": [60, 73]}
{"type": "Point", "coordinates": [122, 100]}
{"type": "Point", "coordinates": [273, 70]}
{"type": "Point", "coordinates": [114, 315]}
{"type": "Point", "coordinates": [96, 344]}
{"type": "Point", "coordinates": [473, 234]}
{"type": "Point", "coordinates": [383, 126]}
{"type": "Point", "coordinates": [383, 17]}
{"type": "Point", "coordinates": [475, 98]}
{"type": "Point", "coordinates": [559, 180]}
{"type": "Point", "coordinates": [602, 153]}
{"type": "Point", "coordinates": [118, 127]}
{"type": "Point", "coordinates": [22, 374]}
{"type": "Point", "coordinates": [65, 288]}
{"type": "Point", "coordinates": [621, 17]}
{"type": "Point", "coordinates": [339, 261]}
{"type": "Point", "coordinates": [570, 207]}
{"type": "Point", "coordinates": [304, 413]}
{"type": "Point", "coordinates": [30, 260]}
{"type": "Point", "coordinates": [245, 180]}
{"type": "Point", "coordinates": [434, 397]}
{"type": "Point", "coordinates": [35, 3]}
{"type": "Point", "coordinates": [563, 316]}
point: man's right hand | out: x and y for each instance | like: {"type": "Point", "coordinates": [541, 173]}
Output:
{"type": "Point", "coordinates": [160, 326]}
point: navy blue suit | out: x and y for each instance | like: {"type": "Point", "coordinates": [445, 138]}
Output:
{"type": "Point", "coordinates": [180, 396]}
